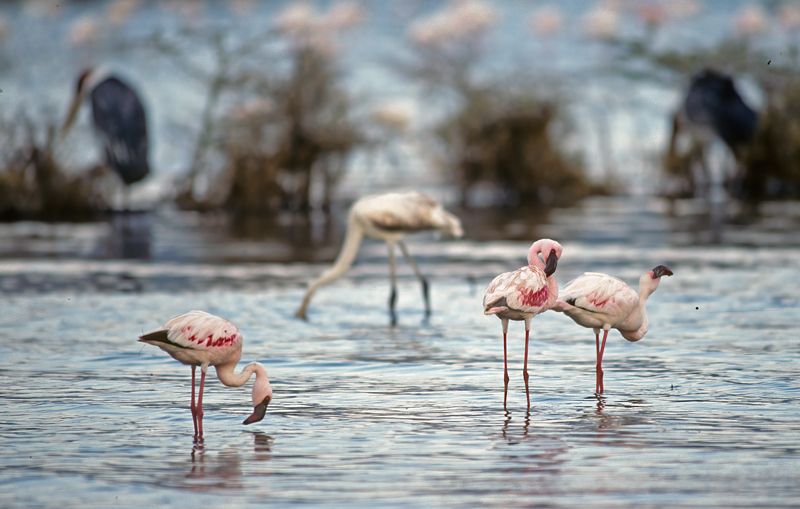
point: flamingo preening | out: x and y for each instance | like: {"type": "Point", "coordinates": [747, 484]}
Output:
{"type": "Point", "coordinates": [599, 301]}
{"type": "Point", "coordinates": [200, 339]}
{"type": "Point", "coordinates": [388, 217]}
{"type": "Point", "coordinates": [523, 294]}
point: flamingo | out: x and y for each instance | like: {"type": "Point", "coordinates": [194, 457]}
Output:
{"type": "Point", "coordinates": [388, 217]}
{"type": "Point", "coordinates": [599, 301]}
{"type": "Point", "coordinates": [200, 339]}
{"type": "Point", "coordinates": [523, 294]}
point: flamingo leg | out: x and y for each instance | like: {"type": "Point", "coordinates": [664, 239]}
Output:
{"type": "Point", "coordinates": [200, 403]}
{"type": "Point", "coordinates": [393, 295]}
{"type": "Point", "coordinates": [193, 407]}
{"type": "Point", "coordinates": [600, 350]}
{"type": "Point", "coordinates": [419, 275]}
{"type": "Point", "coordinates": [505, 363]}
{"type": "Point", "coordinates": [525, 368]}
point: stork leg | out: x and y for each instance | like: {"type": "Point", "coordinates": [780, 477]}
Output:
{"type": "Point", "coordinates": [600, 350]}
{"type": "Point", "coordinates": [193, 407]}
{"type": "Point", "coordinates": [419, 275]}
{"type": "Point", "coordinates": [200, 402]}
{"type": "Point", "coordinates": [525, 365]}
{"type": "Point", "coordinates": [505, 363]}
{"type": "Point", "coordinates": [393, 295]}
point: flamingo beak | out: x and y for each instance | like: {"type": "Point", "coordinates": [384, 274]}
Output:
{"type": "Point", "coordinates": [259, 411]}
{"type": "Point", "coordinates": [552, 262]}
{"type": "Point", "coordinates": [661, 270]}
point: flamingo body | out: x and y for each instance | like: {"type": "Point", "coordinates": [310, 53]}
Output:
{"type": "Point", "coordinates": [387, 217]}
{"type": "Point", "coordinates": [200, 339]}
{"type": "Point", "coordinates": [522, 294]}
{"type": "Point", "coordinates": [599, 301]}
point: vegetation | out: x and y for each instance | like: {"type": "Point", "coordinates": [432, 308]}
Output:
{"type": "Point", "coordinates": [34, 186]}
{"type": "Point", "coordinates": [495, 135]}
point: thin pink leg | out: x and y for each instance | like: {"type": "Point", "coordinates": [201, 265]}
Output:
{"type": "Point", "coordinates": [193, 407]}
{"type": "Point", "coordinates": [505, 366]}
{"type": "Point", "coordinates": [200, 403]}
{"type": "Point", "coordinates": [597, 356]}
{"type": "Point", "coordinates": [599, 387]}
{"type": "Point", "coordinates": [525, 369]}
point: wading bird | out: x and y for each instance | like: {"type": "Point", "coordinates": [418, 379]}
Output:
{"type": "Point", "coordinates": [523, 294]}
{"type": "Point", "coordinates": [387, 217]}
{"type": "Point", "coordinates": [119, 120]}
{"type": "Point", "coordinates": [713, 109]}
{"type": "Point", "coordinates": [598, 301]}
{"type": "Point", "coordinates": [200, 339]}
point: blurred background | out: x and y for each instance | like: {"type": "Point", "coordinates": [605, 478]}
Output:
{"type": "Point", "coordinates": [265, 120]}
{"type": "Point", "coordinates": [162, 156]}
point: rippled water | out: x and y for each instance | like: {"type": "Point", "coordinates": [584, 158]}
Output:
{"type": "Point", "coordinates": [702, 411]}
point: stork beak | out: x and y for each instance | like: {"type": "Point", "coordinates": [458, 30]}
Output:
{"type": "Point", "coordinates": [661, 270]}
{"type": "Point", "coordinates": [73, 110]}
{"type": "Point", "coordinates": [552, 262]}
{"type": "Point", "coordinates": [259, 411]}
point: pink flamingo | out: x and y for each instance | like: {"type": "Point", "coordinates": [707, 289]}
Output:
{"type": "Point", "coordinates": [523, 294]}
{"type": "Point", "coordinates": [599, 301]}
{"type": "Point", "coordinates": [200, 339]}
{"type": "Point", "coordinates": [388, 217]}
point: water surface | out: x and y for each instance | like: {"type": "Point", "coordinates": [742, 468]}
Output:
{"type": "Point", "coordinates": [702, 411]}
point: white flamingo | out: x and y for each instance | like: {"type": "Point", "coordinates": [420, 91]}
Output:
{"type": "Point", "coordinates": [200, 339]}
{"type": "Point", "coordinates": [599, 301]}
{"type": "Point", "coordinates": [388, 217]}
{"type": "Point", "coordinates": [523, 294]}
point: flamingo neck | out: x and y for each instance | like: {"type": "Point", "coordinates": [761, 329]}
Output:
{"type": "Point", "coordinates": [641, 313]}
{"type": "Point", "coordinates": [261, 387]}
{"type": "Point", "coordinates": [535, 261]}
{"type": "Point", "coordinates": [553, 295]}
{"type": "Point", "coordinates": [344, 260]}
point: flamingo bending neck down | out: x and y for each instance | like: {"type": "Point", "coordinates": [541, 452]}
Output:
{"type": "Point", "coordinates": [522, 294]}
{"type": "Point", "coordinates": [387, 217]}
{"type": "Point", "coordinates": [599, 301]}
{"type": "Point", "coordinates": [200, 339]}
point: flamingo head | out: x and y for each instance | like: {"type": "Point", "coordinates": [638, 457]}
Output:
{"type": "Point", "coordinates": [661, 270]}
{"type": "Point", "coordinates": [262, 395]}
{"type": "Point", "coordinates": [259, 411]}
{"type": "Point", "coordinates": [550, 252]}
{"type": "Point", "coordinates": [650, 279]}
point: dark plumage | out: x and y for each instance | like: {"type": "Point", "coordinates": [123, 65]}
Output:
{"type": "Point", "coordinates": [120, 119]}
{"type": "Point", "coordinates": [713, 101]}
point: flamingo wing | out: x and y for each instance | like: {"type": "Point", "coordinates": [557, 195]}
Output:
{"type": "Point", "coordinates": [525, 290]}
{"type": "Point", "coordinates": [600, 293]}
{"type": "Point", "coordinates": [196, 330]}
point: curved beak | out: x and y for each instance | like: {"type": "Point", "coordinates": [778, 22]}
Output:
{"type": "Point", "coordinates": [73, 110]}
{"type": "Point", "coordinates": [259, 411]}
{"type": "Point", "coordinates": [661, 270]}
{"type": "Point", "coordinates": [552, 263]}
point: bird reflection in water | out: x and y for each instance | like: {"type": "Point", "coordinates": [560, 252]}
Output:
{"type": "Point", "coordinates": [130, 236]}
{"type": "Point", "coordinates": [525, 426]}
{"type": "Point", "coordinates": [224, 468]}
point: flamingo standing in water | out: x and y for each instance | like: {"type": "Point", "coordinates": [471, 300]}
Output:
{"type": "Point", "coordinates": [523, 294]}
{"type": "Point", "coordinates": [599, 301]}
{"type": "Point", "coordinates": [200, 339]}
{"type": "Point", "coordinates": [388, 217]}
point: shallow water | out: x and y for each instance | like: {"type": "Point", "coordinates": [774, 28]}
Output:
{"type": "Point", "coordinates": [702, 411]}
